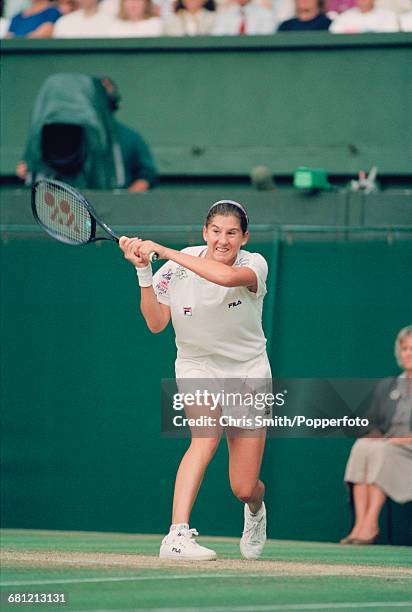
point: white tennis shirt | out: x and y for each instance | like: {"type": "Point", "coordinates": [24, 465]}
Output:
{"type": "Point", "coordinates": [209, 319]}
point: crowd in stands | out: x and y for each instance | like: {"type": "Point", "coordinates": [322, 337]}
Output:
{"type": "Point", "coordinates": [143, 18]}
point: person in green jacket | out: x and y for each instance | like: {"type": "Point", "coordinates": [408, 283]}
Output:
{"type": "Point", "coordinates": [139, 165]}
{"type": "Point", "coordinates": [104, 154]}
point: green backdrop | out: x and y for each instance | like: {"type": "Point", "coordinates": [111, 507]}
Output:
{"type": "Point", "coordinates": [81, 382]}
{"type": "Point", "coordinates": [222, 105]}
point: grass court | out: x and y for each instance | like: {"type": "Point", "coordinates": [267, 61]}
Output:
{"type": "Point", "coordinates": [108, 571]}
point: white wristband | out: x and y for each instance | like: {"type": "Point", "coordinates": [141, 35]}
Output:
{"type": "Point", "coordinates": [145, 276]}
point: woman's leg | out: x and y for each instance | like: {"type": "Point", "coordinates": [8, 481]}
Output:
{"type": "Point", "coordinates": [245, 458]}
{"type": "Point", "coordinates": [377, 458]}
{"type": "Point", "coordinates": [190, 475]}
{"type": "Point", "coordinates": [370, 524]}
{"type": "Point", "coordinates": [360, 502]}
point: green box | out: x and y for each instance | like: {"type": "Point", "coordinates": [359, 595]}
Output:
{"type": "Point", "coordinates": [310, 178]}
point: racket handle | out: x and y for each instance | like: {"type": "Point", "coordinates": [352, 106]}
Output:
{"type": "Point", "coordinates": [153, 256]}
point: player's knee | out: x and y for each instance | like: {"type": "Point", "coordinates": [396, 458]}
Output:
{"type": "Point", "coordinates": [244, 493]}
{"type": "Point", "coordinates": [205, 447]}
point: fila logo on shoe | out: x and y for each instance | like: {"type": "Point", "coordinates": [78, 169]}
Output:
{"type": "Point", "coordinates": [233, 304]}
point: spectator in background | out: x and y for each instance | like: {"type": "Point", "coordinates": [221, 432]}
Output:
{"type": "Point", "coordinates": [111, 7]}
{"type": "Point", "coordinates": [37, 21]}
{"type": "Point", "coordinates": [397, 6]}
{"type": "Point", "coordinates": [365, 17]}
{"type": "Point", "coordinates": [75, 137]}
{"type": "Point", "coordinates": [309, 16]}
{"type": "Point", "coordinates": [244, 17]}
{"type": "Point", "coordinates": [12, 7]}
{"type": "Point", "coordinates": [67, 6]}
{"type": "Point", "coordinates": [380, 464]}
{"type": "Point", "coordinates": [87, 22]}
{"type": "Point", "coordinates": [4, 22]}
{"type": "Point", "coordinates": [191, 18]}
{"type": "Point", "coordinates": [283, 10]}
{"type": "Point", "coordinates": [333, 8]}
{"type": "Point", "coordinates": [161, 8]}
{"type": "Point", "coordinates": [135, 19]}
{"type": "Point", "coordinates": [139, 166]}
{"type": "Point", "coordinates": [406, 22]}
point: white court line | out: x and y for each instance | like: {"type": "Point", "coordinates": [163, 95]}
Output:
{"type": "Point", "coordinates": [123, 579]}
{"type": "Point", "coordinates": [270, 607]}
{"type": "Point", "coordinates": [13, 583]}
{"type": "Point", "coordinates": [254, 608]}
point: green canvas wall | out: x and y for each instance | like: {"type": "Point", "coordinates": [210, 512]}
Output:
{"type": "Point", "coordinates": [222, 105]}
{"type": "Point", "coordinates": [81, 383]}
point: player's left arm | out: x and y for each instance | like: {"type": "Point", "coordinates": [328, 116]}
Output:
{"type": "Point", "coordinates": [213, 271]}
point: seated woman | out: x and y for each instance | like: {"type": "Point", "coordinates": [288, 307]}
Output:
{"type": "Point", "coordinates": [365, 17]}
{"type": "Point", "coordinates": [191, 18]}
{"type": "Point", "coordinates": [309, 16]}
{"type": "Point", "coordinates": [380, 464]}
{"type": "Point", "coordinates": [37, 21]}
{"type": "Point", "coordinates": [135, 19]}
{"type": "Point", "coordinates": [67, 6]}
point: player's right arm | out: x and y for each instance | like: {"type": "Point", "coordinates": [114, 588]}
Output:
{"type": "Point", "coordinates": [156, 315]}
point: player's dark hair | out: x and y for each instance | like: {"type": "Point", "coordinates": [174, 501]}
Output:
{"type": "Point", "coordinates": [229, 208]}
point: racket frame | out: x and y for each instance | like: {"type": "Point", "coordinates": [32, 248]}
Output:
{"type": "Point", "coordinates": [81, 200]}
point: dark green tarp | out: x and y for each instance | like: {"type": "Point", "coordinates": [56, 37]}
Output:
{"type": "Point", "coordinates": [76, 99]}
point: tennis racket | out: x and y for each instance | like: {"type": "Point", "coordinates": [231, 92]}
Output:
{"type": "Point", "coordinates": [67, 216]}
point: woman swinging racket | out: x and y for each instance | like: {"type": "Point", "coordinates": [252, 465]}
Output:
{"type": "Point", "coordinates": [214, 296]}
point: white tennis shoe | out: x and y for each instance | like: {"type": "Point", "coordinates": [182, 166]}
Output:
{"type": "Point", "coordinates": [254, 533]}
{"type": "Point", "coordinates": [180, 544]}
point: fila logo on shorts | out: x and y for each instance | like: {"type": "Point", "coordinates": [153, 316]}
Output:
{"type": "Point", "coordinates": [187, 311]}
{"type": "Point", "coordinates": [233, 304]}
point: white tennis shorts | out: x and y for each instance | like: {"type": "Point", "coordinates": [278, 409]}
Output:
{"type": "Point", "coordinates": [235, 390]}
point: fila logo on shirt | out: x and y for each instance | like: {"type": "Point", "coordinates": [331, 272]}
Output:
{"type": "Point", "coordinates": [233, 304]}
{"type": "Point", "coordinates": [187, 311]}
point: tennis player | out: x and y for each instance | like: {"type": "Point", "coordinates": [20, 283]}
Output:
{"type": "Point", "coordinates": [214, 296]}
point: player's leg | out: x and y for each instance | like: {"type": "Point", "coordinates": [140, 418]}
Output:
{"type": "Point", "coordinates": [245, 458]}
{"type": "Point", "coordinates": [179, 543]}
{"type": "Point", "coordinates": [190, 475]}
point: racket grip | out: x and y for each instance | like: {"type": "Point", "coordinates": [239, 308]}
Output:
{"type": "Point", "coordinates": [153, 256]}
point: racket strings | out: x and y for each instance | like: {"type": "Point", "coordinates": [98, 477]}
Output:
{"type": "Point", "coordinates": [62, 213]}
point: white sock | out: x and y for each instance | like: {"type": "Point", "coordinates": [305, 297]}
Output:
{"type": "Point", "coordinates": [256, 513]}
{"type": "Point", "coordinates": [179, 526]}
